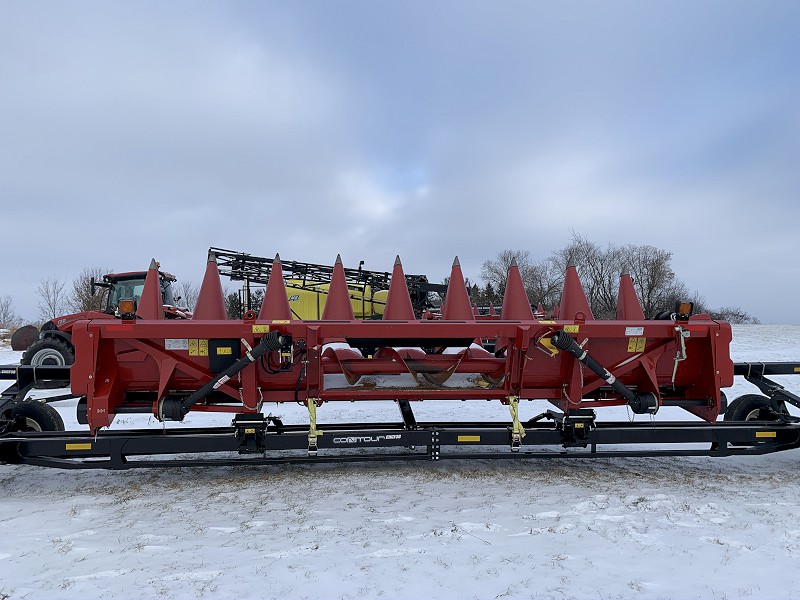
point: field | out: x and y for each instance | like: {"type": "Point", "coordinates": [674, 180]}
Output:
{"type": "Point", "coordinates": [605, 528]}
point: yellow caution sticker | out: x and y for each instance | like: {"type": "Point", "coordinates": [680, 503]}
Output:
{"type": "Point", "coordinates": [198, 347]}
{"type": "Point", "coordinates": [260, 328]}
{"type": "Point", "coordinates": [469, 438]}
{"type": "Point", "coordinates": [87, 446]}
{"type": "Point", "coordinates": [572, 328]}
{"type": "Point", "coordinates": [281, 321]}
{"type": "Point", "coordinates": [250, 430]}
{"type": "Point", "coordinates": [223, 350]}
{"type": "Point", "coordinates": [766, 434]}
{"type": "Point", "coordinates": [797, 369]}
{"type": "Point", "coordinates": [636, 344]}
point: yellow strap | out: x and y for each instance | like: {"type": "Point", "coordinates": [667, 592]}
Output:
{"type": "Point", "coordinates": [313, 432]}
{"type": "Point", "coordinates": [513, 407]}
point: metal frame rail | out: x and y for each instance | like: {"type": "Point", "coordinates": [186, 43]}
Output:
{"type": "Point", "coordinates": [255, 439]}
{"type": "Point", "coordinates": [756, 373]}
{"type": "Point", "coordinates": [250, 443]}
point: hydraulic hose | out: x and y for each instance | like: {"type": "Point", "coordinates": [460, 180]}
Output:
{"type": "Point", "coordinates": [639, 403]}
{"type": "Point", "coordinates": [173, 409]}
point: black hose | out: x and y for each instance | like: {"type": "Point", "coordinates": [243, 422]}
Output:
{"type": "Point", "coordinates": [173, 409]}
{"type": "Point", "coordinates": [639, 403]}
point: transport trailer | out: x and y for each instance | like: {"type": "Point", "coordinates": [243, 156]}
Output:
{"type": "Point", "coordinates": [145, 364]}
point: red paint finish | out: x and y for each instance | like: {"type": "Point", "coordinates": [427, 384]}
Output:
{"type": "Point", "coordinates": [133, 364]}
{"type": "Point", "coordinates": [138, 363]}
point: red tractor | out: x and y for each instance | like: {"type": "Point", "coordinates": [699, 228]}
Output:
{"type": "Point", "coordinates": [54, 346]}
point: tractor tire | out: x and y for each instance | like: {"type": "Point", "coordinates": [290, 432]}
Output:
{"type": "Point", "coordinates": [748, 407]}
{"type": "Point", "coordinates": [49, 351]}
{"type": "Point", "coordinates": [33, 415]}
{"type": "Point", "coordinates": [723, 403]}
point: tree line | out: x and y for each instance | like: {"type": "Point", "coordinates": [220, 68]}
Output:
{"type": "Point", "coordinates": [599, 268]}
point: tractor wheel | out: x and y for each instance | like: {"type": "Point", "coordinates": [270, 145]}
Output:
{"type": "Point", "coordinates": [33, 415]}
{"type": "Point", "coordinates": [723, 403]}
{"type": "Point", "coordinates": [748, 408]}
{"type": "Point", "coordinates": [49, 351]}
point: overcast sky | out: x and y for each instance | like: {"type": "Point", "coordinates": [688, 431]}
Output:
{"type": "Point", "coordinates": [425, 129]}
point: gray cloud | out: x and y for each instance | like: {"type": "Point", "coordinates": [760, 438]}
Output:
{"type": "Point", "coordinates": [133, 130]}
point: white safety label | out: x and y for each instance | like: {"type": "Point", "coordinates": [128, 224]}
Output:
{"type": "Point", "coordinates": [630, 331]}
{"type": "Point", "coordinates": [176, 344]}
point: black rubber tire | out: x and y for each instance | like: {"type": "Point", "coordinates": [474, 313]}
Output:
{"type": "Point", "coordinates": [747, 407]}
{"type": "Point", "coordinates": [49, 351]}
{"type": "Point", "coordinates": [33, 415]}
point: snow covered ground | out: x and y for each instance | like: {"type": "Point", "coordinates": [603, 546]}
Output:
{"type": "Point", "coordinates": [606, 528]}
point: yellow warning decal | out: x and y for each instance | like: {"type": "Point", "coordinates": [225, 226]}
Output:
{"type": "Point", "coordinates": [79, 446]}
{"type": "Point", "coordinates": [578, 425]}
{"type": "Point", "coordinates": [260, 328]}
{"type": "Point", "coordinates": [223, 350]}
{"type": "Point", "coordinates": [572, 328]}
{"type": "Point", "coordinates": [281, 321]}
{"type": "Point", "coordinates": [250, 430]}
{"type": "Point", "coordinates": [797, 369]}
{"type": "Point", "coordinates": [766, 434]}
{"type": "Point", "coordinates": [469, 438]}
{"type": "Point", "coordinates": [198, 347]}
{"type": "Point", "coordinates": [636, 344]}
{"type": "Point", "coordinates": [547, 322]}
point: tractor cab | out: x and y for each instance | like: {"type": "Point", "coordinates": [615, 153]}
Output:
{"type": "Point", "coordinates": [130, 285]}
{"type": "Point", "coordinates": [54, 346]}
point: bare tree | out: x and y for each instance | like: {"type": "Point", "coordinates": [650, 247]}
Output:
{"type": "Point", "coordinates": [656, 284]}
{"type": "Point", "coordinates": [495, 271]}
{"type": "Point", "coordinates": [8, 316]}
{"type": "Point", "coordinates": [733, 314]}
{"type": "Point", "coordinates": [186, 294]}
{"type": "Point", "coordinates": [82, 298]}
{"type": "Point", "coordinates": [599, 268]}
{"type": "Point", "coordinates": [542, 280]}
{"type": "Point", "coordinates": [53, 301]}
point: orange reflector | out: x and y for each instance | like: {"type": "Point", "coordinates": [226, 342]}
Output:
{"type": "Point", "coordinates": [127, 306]}
{"type": "Point", "coordinates": [685, 308]}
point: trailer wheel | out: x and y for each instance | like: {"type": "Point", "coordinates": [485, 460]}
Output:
{"type": "Point", "coordinates": [49, 351]}
{"type": "Point", "coordinates": [33, 415]}
{"type": "Point", "coordinates": [748, 408]}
